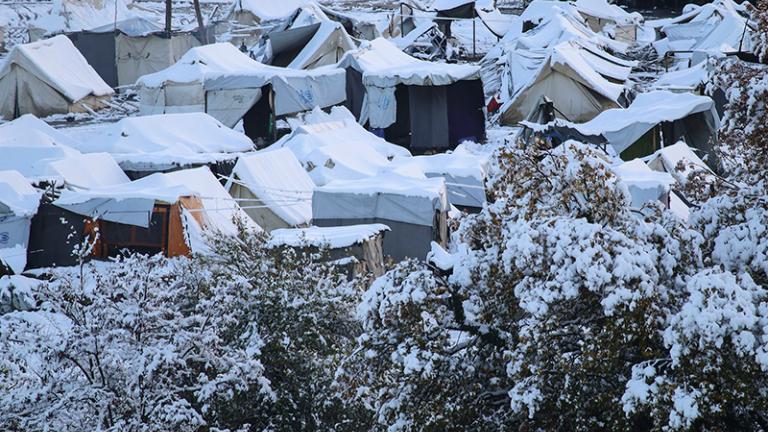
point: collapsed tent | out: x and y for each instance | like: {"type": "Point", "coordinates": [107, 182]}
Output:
{"type": "Point", "coordinates": [230, 86]}
{"type": "Point", "coordinates": [358, 245]}
{"type": "Point", "coordinates": [255, 12]}
{"type": "Point", "coordinates": [420, 105]}
{"type": "Point", "coordinates": [605, 17]}
{"type": "Point", "coordinates": [273, 188]}
{"type": "Point", "coordinates": [415, 209]}
{"type": "Point", "coordinates": [654, 120]}
{"type": "Point", "coordinates": [449, 10]}
{"type": "Point", "coordinates": [45, 155]}
{"type": "Point", "coordinates": [18, 204]}
{"type": "Point", "coordinates": [339, 149]}
{"type": "Point", "coordinates": [581, 81]}
{"type": "Point", "coordinates": [123, 51]}
{"type": "Point", "coordinates": [49, 77]}
{"type": "Point", "coordinates": [161, 213]}
{"type": "Point", "coordinates": [167, 142]}
{"type": "Point", "coordinates": [308, 47]}
{"type": "Point", "coordinates": [722, 26]}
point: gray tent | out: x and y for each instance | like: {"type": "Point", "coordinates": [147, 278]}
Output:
{"type": "Point", "coordinates": [414, 209]}
{"type": "Point", "coordinates": [124, 51]}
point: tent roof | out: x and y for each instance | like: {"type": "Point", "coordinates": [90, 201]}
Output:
{"type": "Point", "coordinates": [384, 65]}
{"type": "Point", "coordinates": [17, 195]}
{"type": "Point", "coordinates": [77, 15]}
{"type": "Point", "coordinates": [459, 163]}
{"type": "Point", "coordinates": [269, 10]}
{"type": "Point", "coordinates": [339, 149]}
{"type": "Point", "coordinates": [333, 237]}
{"type": "Point", "coordinates": [59, 64]}
{"type": "Point", "coordinates": [134, 26]}
{"type": "Point", "coordinates": [442, 5]}
{"type": "Point", "coordinates": [222, 65]}
{"type": "Point", "coordinates": [603, 9]}
{"type": "Point", "coordinates": [168, 139]}
{"type": "Point", "coordinates": [638, 173]}
{"type": "Point", "coordinates": [279, 181]}
{"type": "Point", "coordinates": [389, 183]}
{"type": "Point", "coordinates": [690, 77]}
{"type": "Point", "coordinates": [321, 41]}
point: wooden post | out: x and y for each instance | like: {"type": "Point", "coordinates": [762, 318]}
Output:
{"type": "Point", "coordinates": [198, 15]}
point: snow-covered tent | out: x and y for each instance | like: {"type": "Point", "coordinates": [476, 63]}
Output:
{"type": "Point", "coordinates": [415, 209]}
{"type": "Point", "coordinates": [680, 154]}
{"type": "Point", "coordinates": [49, 77]}
{"type": "Point", "coordinates": [580, 80]}
{"type": "Point", "coordinates": [64, 16]}
{"type": "Point", "coordinates": [358, 245]}
{"type": "Point", "coordinates": [609, 18]}
{"type": "Point", "coordinates": [354, 25]}
{"type": "Point", "coordinates": [307, 47]}
{"type": "Point", "coordinates": [162, 213]}
{"type": "Point", "coordinates": [256, 12]}
{"type": "Point", "coordinates": [722, 26]}
{"type": "Point", "coordinates": [339, 149]}
{"type": "Point", "coordinates": [273, 188]}
{"type": "Point", "coordinates": [644, 184]}
{"type": "Point", "coordinates": [464, 173]}
{"type": "Point", "coordinates": [654, 120]}
{"type": "Point", "coordinates": [168, 142]}
{"type": "Point", "coordinates": [419, 104]}
{"type": "Point", "coordinates": [123, 51]}
{"type": "Point", "coordinates": [230, 86]}
{"type": "Point", "coordinates": [18, 204]}
{"type": "Point", "coordinates": [45, 155]}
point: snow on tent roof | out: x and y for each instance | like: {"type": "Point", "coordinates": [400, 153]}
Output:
{"type": "Point", "coordinates": [29, 122]}
{"type": "Point", "coordinates": [59, 64]}
{"type": "Point", "coordinates": [623, 126]}
{"type": "Point", "coordinates": [339, 150]}
{"type": "Point", "coordinates": [280, 182]}
{"type": "Point", "coordinates": [687, 78]}
{"type": "Point", "coordinates": [89, 170]}
{"type": "Point", "coordinates": [384, 65]}
{"type": "Point", "coordinates": [168, 139]}
{"type": "Point", "coordinates": [459, 163]}
{"type": "Point", "coordinates": [638, 173]}
{"type": "Point", "coordinates": [332, 237]}
{"type": "Point", "coordinates": [390, 183]}
{"type": "Point", "coordinates": [76, 15]}
{"type": "Point", "coordinates": [17, 196]}
{"type": "Point", "coordinates": [669, 158]}
{"type": "Point", "coordinates": [443, 5]}
{"type": "Point", "coordinates": [604, 10]}
{"type": "Point", "coordinates": [134, 26]}
{"type": "Point", "coordinates": [271, 9]}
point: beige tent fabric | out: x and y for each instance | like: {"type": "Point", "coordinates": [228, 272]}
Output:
{"type": "Point", "coordinates": [257, 209]}
{"type": "Point", "coordinates": [137, 56]}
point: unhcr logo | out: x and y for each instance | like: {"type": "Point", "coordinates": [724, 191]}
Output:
{"type": "Point", "coordinates": [306, 97]}
{"type": "Point", "coordinates": [5, 236]}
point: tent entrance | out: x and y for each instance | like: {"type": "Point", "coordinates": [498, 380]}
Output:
{"type": "Point", "coordinates": [400, 131]}
{"type": "Point", "coordinates": [259, 121]}
{"type": "Point", "coordinates": [116, 238]}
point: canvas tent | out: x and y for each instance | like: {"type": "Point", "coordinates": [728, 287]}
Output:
{"type": "Point", "coordinates": [123, 51]}
{"type": "Point", "coordinates": [18, 204]}
{"type": "Point", "coordinates": [168, 142]}
{"type": "Point", "coordinates": [339, 149]}
{"type": "Point", "coordinates": [644, 184]}
{"type": "Point", "coordinates": [421, 105]}
{"type": "Point", "coordinates": [274, 188]}
{"type": "Point", "coordinates": [464, 173]}
{"type": "Point", "coordinates": [309, 46]}
{"type": "Point", "coordinates": [358, 245]}
{"type": "Point", "coordinates": [605, 17]}
{"type": "Point", "coordinates": [415, 209]}
{"type": "Point", "coordinates": [45, 155]}
{"type": "Point", "coordinates": [49, 77]}
{"type": "Point", "coordinates": [580, 80]}
{"type": "Point", "coordinates": [654, 120]}
{"type": "Point", "coordinates": [230, 86]}
{"type": "Point", "coordinates": [161, 213]}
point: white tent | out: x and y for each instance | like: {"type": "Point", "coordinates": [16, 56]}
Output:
{"type": "Point", "coordinates": [18, 204]}
{"type": "Point", "coordinates": [254, 12]}
{"type": "Point", "coordinates": [225, 83]}
{"type": "Point", "coordinates": [605, 17]}
{"type": "Point", "coordinates": [339, 150]}
{"type": "Point", "coordinates": [49, 77]}
{"type": "Point", "coordinates": [414, 209]}
{"type": "Point", "coordinates": [644, 184]}
{"type": "Point", "coordinates": [307, 47]}
{"type": "Point", "coordinates": [581, 80]}
{"type": "Point", "coordinates": [417, 102]}
{"type": "Point", "coordinates": [44, 154]}
{"type": "Point", "coordinates": [274, 188]}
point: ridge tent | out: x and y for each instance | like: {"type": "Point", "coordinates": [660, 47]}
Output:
{"type": "Point", "coordinates": [654, 120]}
{"type": "Point", "coordinates": [18, 204]}
{"type": "Point", "coordinates": [605, 17]}
{"type": "Point", "coordinates": [49, 77]}
{"type": "Point", "coordinates": [161, 213]}
{"type": "Point", "coordinates": [580, 80]}
{"type": "Point", "coordinates": [275, 188]}
{"type": "Point", "coordinates": [421, 105]}
{"type": "Point", "coordinates": [360, 244]}
{"type": "Point", "coordinates": [168, 142]}
{"type": "Point", "coordinates": [415, 209]}
{"type": "Point", "coordinates": [230, 86]}
{"type": "Point", "coordinates": [309, 46]}
{"type": "Point", "coordinates": [123, 51]}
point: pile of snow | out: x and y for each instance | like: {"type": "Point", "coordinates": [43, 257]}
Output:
{"type": "Point", "coordinates": [331, 237]}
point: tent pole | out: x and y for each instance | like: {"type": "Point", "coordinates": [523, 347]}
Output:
{"type": "Point", "coordinates": [402, 21]}
{"type": "Point", "coordinates": [474, 42]}
{"type": "Point", "coordinates": [168, 14]}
